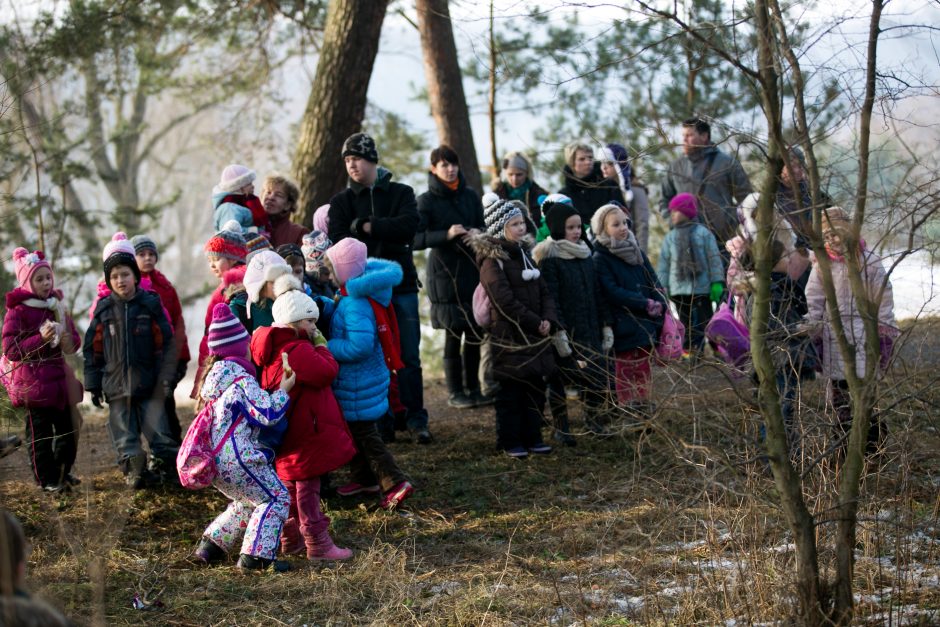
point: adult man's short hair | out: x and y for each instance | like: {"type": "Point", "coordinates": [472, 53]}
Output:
{"type": "Point", "coordinates": [701, 126]}
{"type": "Point", "coordinates": [290, 188]}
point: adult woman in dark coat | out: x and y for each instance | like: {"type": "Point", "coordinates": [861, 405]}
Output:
{"type": "Point", "coordinates": [450, 213]}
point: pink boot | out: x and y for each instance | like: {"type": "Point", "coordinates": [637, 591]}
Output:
{"type": "Point", "coordinates": [321, 547]}
{"type": "Point", "coordinates": [291, 541]}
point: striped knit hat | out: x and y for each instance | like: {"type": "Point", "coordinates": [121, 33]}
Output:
{"type": "Point", "coordinates": [314, 248]}
{"type": "Point", "coordinates": [228, 243]}
{"type": "Point", "coordinates": [498, 212]}
{"type": "Point", "coordinates": [227, 336]}
{"type": "Point", "coordinates": [256, 244]}
{"type": "Point", "coordinates": [144, 242]}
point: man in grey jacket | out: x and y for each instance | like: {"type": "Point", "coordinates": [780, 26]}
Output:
{"type": "Point", "coordinates": [715, 178]}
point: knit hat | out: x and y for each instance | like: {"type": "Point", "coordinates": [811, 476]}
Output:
{"type": "Point", "coordinates": [119, 252]}
{"type": "Point", "coordinates": [144, 242]}
{"type": "Point", "coordinates": [321, 218]}
{"type": "Point", "coordinates": [256, 244]}
{"type": "Point", "coordinates": [517, 160]}
{"type": "Point", "coordinates": [360, 145]}
{"type": "Point", "coordinates": [685, 204]}
{"type": "Point", "coordinates": [556, 217]}
{"type": "Point", "coordinates": [227, 336]}
{"type": "Point", "coordinates": [314, 247]}
{"type": "Point", "coordinates": [26, 264]}
{"type": "Point", "coordinates": [292, 304]}
{"type": "Point", "coordinates": [498, 212]}
{"type": "Point", "coordinates": [289, 250]}
{"type": "Point", "coordinates": [348, 258]}
{"type": "Point", "coordinates": [617, 154]}
{"type": "Point", "coordinates": [600, 216]}
{"type": "Point", "coordinates": [227, 243]}
{"type": "Point", "coordinates": [265, 265]}
{"type": "Point", "coordinates": [234, 177]}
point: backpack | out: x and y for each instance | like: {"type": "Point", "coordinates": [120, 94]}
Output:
{"type": "Point", "coordinates": [195, 461]}
{"type": "Point", "coordinates": [669, 346]}
{"type": "Point", "coordinates": [481, 304]}
{"type": "Point", "coordinates": [730, 337]}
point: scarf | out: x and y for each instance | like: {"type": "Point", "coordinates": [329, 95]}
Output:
{"type": "Point", "coordinates": [452, 185]}
{"type": "Point", "coordinates": [386, 323]}
{"type": "Point", "coordinates": [562, 249]}
{"type": "Point", "coordinates": [838, 256]}
{"type": "Point", "coordinates": [518, 193]}
{"type": "Point", "coordinates": [627, 249]}
{"type": "Point", "coordinates": [244, 363]}
{"type": "Point", "coordinates": [688, 265]}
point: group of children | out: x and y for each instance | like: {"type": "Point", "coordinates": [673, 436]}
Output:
{"type": "Point", "coordinates": [301, 345]}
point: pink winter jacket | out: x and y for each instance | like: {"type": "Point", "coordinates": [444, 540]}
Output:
{"type": "Point", "coordinates": [38, 374]}
{"type": "Point", "coordinates": [874, 277]}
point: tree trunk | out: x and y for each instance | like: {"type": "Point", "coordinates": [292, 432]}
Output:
{"type": "Point", "coordinates": [445, 86]}
{"type": "Point", "coordinates": [337, 102]}
{"type": "Point", "coordinates": [494, 154]}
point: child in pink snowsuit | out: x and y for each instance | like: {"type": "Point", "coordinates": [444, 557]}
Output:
{"type": "Point", "coordinates": [260, 501]}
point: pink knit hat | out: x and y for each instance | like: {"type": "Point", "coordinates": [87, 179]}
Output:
{"type": "Point", "coordinates": [227, 336]}
{"type": "Point", "coordinates": [348, 257]}
{"type": "Point", "coordinates": [26, 263]}
{"type": "Point", "coordinates": [118, 244]}
{"type": "Point", "coordinates": [685, 204]}
{"type": "Point", "coordinates": [233, 178]}
{"type": "Point", "coordinates": [321, 219]}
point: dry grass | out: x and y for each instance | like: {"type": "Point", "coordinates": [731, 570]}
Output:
{"type": "Point", "coordinates": [677, 526]}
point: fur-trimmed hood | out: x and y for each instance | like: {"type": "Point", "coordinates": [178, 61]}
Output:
{"type": "Point", "coordinates": [233, 281]}
{"type": "Point", "coordinates": [487, 247]}
{"type": "Point", "coordinates": [376, 281]}
{"type": "Point", "coordinates": [549, 248]}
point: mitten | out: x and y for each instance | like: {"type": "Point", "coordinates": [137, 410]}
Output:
{"type": "Point", "coordinates": [607, 339]}
{"type": "Point", "coordinates": [716, 291]}
{"type": "Point", "coordinates": [654, 308]}
{"type": "Point", "coordinates": [318, 339]}
{"type": "Point", "coordinates": [562, 345]}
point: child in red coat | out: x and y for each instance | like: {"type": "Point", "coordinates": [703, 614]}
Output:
{"type": "Point", "coordinates": [317, 440]}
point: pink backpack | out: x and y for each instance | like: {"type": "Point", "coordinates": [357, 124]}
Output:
{"type": "Point", "coordinates": [481, 304]}
{"type": "Point", "coordinates": [730, 337]}
{"type": "Point", "coordinates": [669, 347]}
{"type": "Point", "coordinates": [195, 461]}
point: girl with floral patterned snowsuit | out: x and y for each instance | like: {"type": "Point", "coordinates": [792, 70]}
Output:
{"type": "Point", "coordinates": [260, 501]}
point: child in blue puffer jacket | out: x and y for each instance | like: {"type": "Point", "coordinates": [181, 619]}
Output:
{"type": "Point", "coordinates": [364, 340]}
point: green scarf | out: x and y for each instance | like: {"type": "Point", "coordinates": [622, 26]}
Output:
{"type": "Point", "coordinates": [518, 193]}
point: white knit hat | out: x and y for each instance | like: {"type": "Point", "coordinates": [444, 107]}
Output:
{"type": "Point", "coordinates": [234, 177]}
{"type": "Point", "coordinates": [266, 265]}
{"type": "Point", "coordinates": [294, 306]}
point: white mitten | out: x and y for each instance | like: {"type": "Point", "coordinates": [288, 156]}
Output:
{"type": "Point", "coordinates": [562, 345]}
{"type": "Point", "coordinates": [607, 339]}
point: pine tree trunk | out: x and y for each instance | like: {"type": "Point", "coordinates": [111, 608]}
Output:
{"type": "Point", "coordinates": [337, 102]}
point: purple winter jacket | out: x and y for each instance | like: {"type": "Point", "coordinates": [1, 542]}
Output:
{"type": "Point", "coordinates": [39, 376]}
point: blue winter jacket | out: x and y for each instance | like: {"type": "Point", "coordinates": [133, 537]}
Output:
{"type": "Point", "coordinates": [705, 248]}
{"type": "Point", "coordinates": [225, 211]}
{"type": "Point", "coordinates": [361, 387]}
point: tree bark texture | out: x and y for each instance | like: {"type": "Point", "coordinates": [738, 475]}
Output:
{"type": "Point", "coordinates": [337, 102]}
{"type": "Point", "coordinates": [445, 86]}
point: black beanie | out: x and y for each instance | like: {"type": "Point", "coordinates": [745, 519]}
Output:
{"type": "Point", "coordinates": [360, 145]}
{"type": "Point", "coordinates": [556, 214]}
{"type": "Point", "coordinates": [120, 259]}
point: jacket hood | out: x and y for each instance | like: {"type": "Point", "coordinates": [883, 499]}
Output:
{"type": "Point", "coordinates": [18, 295]}
{"type": "Point", "coordinates": [486, 247]}
{"type": "Point", "coordinates": [591, 180]}
{"type": "Point", "coordinates": [157, 279]}
{"type": "Point", "coordinates": [220, 378]}
{"type": "Point", "coordinates": [436, 186]}
{"type": "Point", "coordinates": [267, 343]}
{"type": "Point", "coordinates": [382, 178]}
{"type": "Point", "coordinates": [377, 281]}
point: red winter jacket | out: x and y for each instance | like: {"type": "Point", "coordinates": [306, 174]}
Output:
{"type": "Point", "coordinates": [317, 440]}
{"type": "Point", "coordinates": [174, 310]}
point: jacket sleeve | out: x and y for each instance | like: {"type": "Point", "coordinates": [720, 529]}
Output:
{"type": "Point", "coordinates": [425, 237]}
{"type": "Point", "coordinates": [175, 309]}
{"type": "Point", "coordinates": [876, 278]}
{"type": "Point", "coordinates": [73, 334]}
{"type": "Point", "coordinates": [740, 184]}
{"type": "Point", "coordinates": [716, 269]}
{"type": "Point", "coordinates": [168, 358]}
{"type": "Point", "coordinates": [401, 225]}
{"type": "Point", "coordinates": [655, 285]}
{"type": "Point", "coordinates": [314, 365]}
{"type": "Point", "coordinates": [239, 308]}
{"type": "Point", "coordinates": [549, 270]}
{"type": "Point", "coordinates": [665, 259]}
{"type": "Point", "coordinates": [504, 301]}
{"type": "Point", "coordinates": [619, 296]}
{"type": "Point", "coordinates": [94, 371]}
{"type": "Point", "coordinates": [360, 335]}
{"type": "Point", "coordinates": [549, 311]}
{"type": "Point", "coordinates": [340, 219]}
{"type": "Point", "coordinates": [262, 409]}
{"type": "Point", "coordinates": [668, 193]}
{"type": "Point", "coordinates": [815, 297]}
{"type": "Point", "coordinates": [16, 347]}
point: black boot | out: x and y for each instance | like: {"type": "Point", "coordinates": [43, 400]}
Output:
{"type": "Point", "coordinates": [208, 552]}
{"type": "Point", "coordinates": [135, 471]}
{"type": "Point", "coordinates": [559, 408]}
{"type": "Point", "coordinates": [453, 374]}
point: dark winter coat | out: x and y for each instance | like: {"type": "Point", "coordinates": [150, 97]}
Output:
{"type": "Point", "coordinates": [626, 289]}
{"type": "Point", "coordinates": [591, 193]}
{"type": "Point", "coordinates": [393, 213]}
{"type": "Point", "coordinates": [578, 305]}
{"type": "Point", "coordinates": [38, 374]}
{"type": "Point", "coordinates": [788, 348]}
{"type": "Point", "coordinates": [317, 440]}
{"type": "Point", "coordinates": [129, 347]}
{"type": "Point", "coordinates": [517, 308]}
{"type": "Point", "coordinates": [452, 272]}
{"type": "Point", "coordinates": [502, 189]}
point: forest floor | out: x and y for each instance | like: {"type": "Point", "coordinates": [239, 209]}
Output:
{"type": "Point", "coordinates": [677, 524]}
